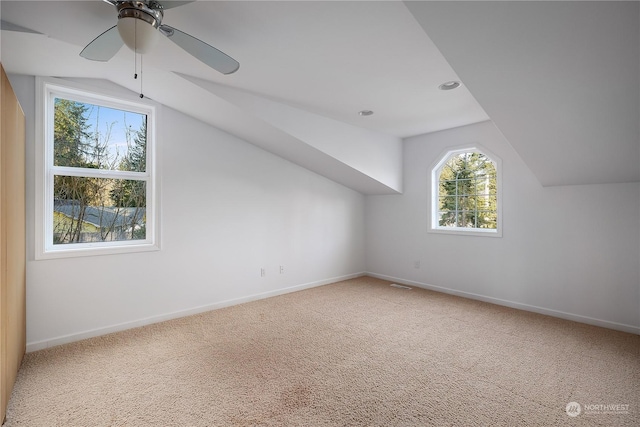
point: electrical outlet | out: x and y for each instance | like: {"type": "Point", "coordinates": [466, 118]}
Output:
{"type": "Point", "coordinates": [282, 269]}
{"type": "Point", "coordinates": [263, 272]}
{"type": "Point", "coordinates": [416, 264]}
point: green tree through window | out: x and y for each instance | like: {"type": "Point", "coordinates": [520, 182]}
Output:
{"type": "Point", "coordinates": [90, 208]}
{"type": "Point", "coordinates": [96, 191]}
{"type": "Point", "coordinates": [132, 194]}
{"type": "Point", "coordinates": [467, 192]}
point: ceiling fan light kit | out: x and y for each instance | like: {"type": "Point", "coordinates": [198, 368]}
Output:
{"type": "Point", "coordinates": [139, 38]}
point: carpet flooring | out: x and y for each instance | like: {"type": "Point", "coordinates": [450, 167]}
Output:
{"type": "Point", "coordinates": [353, 353]}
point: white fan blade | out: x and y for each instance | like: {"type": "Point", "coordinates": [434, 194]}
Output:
{"type": "Point", "coordinates": [103, 47]}
{"type": "Point", "coordinates": [211, 56]}
{"type": "Point", "coordinates": [8, 26]}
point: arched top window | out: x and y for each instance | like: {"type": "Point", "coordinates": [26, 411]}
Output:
{"type": "Point", "coordinates": [466, 193]}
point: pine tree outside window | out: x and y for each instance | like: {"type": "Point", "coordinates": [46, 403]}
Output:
{"type": "Point", "coordinates": [466, 193]}
{"type": "Point", "coordinates": [96, 192]}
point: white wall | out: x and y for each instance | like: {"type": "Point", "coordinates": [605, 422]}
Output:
{"type": "Point", "coordinates": [569, 251]}
{"type": "Point", "coordinates": [228, 210]}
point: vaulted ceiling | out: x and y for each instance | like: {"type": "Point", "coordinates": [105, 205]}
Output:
{"type": "Point", "coordinates": [561, 80]}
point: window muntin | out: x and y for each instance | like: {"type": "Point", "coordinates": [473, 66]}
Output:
{"type": "Point", "coordinates": [97, 187]}
{"type": "Point", "coordinates": [465, 193]}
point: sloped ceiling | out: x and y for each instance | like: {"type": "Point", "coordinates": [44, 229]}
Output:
{"type": "Point", "coordinates": [307, 139]}
{"type": "Point", "coordinates": [330, 59]}
{"type": "Point", "coordinates": [561, 80]}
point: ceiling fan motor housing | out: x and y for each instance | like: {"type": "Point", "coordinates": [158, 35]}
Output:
{"type": "Point", "coordinates": [139, 38]}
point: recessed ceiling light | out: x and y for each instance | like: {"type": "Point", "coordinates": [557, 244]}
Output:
{"type": "Point", "coordinates": [449, 85]}
{"type": "Point", "coordinates": [365, 113]}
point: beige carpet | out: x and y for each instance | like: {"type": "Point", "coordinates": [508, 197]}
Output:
{"type": "Point", "coordinates": [354, 353]}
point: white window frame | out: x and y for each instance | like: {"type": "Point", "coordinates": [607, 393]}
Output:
{"type": "Point", "coordinates": [434, 226]}
{"type": "Point", "coordinates": [47, 89]}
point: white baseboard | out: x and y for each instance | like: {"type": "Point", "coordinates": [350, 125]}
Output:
{"type": "Point", "coordinates": [65, 339]}
{"type": "Point", "coordinates": [520, 306]}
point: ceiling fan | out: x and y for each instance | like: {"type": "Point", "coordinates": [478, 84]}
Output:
{"type": "Point", "coordinates": [139, 26]}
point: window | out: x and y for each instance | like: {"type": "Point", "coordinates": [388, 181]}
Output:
{"type": "Point", "coordinates": [465, 193]}
{"type": "Point", "coordinates": [95, 186]}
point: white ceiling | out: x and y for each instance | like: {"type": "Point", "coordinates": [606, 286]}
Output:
{"type": "Point", "coordinates": [561, 80]}
{"type": "Point", "coordinates": [335, 58]}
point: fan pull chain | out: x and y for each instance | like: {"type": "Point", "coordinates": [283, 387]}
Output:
{"type": "Point", "coordinates": [135, 50]}
{"type": "Point", "coordinates": [135, 57]}
{"type": "Point", "coordinates": [141, 94]}
{"type": "Point", "coordinates": [135, 75]}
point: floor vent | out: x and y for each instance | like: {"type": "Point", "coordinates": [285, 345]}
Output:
{"type": "Point", "coordinates": [395, 285]}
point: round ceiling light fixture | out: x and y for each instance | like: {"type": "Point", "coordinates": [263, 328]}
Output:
{"type": "Point", "coordinates": [365, 113]}
{"type": "Point", "coordinates": [138, 24]}
{"type": "Point", "coordinates": [453, 84]}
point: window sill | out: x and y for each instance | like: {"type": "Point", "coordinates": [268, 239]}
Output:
{"type": "Point", "coordinates": [479, 232]}
{"type": "Point", "coordinates": [87, 250]}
